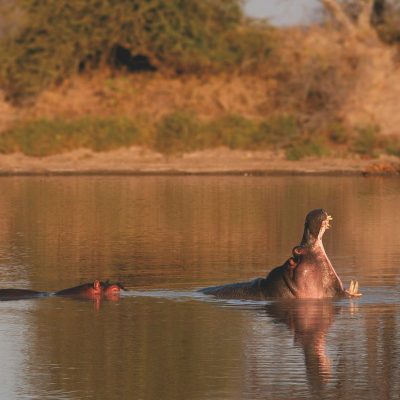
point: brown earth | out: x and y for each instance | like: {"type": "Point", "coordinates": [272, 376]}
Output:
{"type": "Point", "coordinates": [136, 160]}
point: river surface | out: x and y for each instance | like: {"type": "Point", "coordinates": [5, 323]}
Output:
{"type": "Point", "coordinates": [166, 237]}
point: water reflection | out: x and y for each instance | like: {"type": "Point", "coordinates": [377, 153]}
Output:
{"type": "Point", "coordinates": [309, 322]}
{"type": "Point", "coordinates": [164, 232]}
{"type": "Point", "coordinates": [168, 234]}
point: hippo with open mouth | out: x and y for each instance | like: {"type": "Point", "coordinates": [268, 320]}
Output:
{"type": "Point", "coordinates": [90, 290]}
{"type": "Point", "coordinates": [309, 274]}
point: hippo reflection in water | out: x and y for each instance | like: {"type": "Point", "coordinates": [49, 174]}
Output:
{"type": "Point", "coordinates": [91, 290]}
{"type": "Point", "coordinates": [309, 322]}
{"type": "Point", "coordinates": [307, 275]}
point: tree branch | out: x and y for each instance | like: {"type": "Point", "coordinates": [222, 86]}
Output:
{"type": "Point", "coordinates": [339, 15]}
{"type": "Point", "coordinates": [364, 18]}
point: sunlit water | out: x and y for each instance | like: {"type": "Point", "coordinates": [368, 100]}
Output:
{"type": "Point", "coordinates": [165, 237]}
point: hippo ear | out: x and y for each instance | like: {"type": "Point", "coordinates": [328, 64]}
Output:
{"type": "Point", "coordinates": [298, 250]}
{"type": "Point", "coordinates": [96, 284]}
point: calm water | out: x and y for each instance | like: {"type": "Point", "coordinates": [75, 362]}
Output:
{"type": "Point", "coordinates": [165, 237]}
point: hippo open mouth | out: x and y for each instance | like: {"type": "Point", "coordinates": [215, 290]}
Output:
{"type": "Point", "coordinates": [308, 274]}
{"type": "Point", "coordinates": [327, 222]}
{"type": "Point", "coordinates": [325, 225]}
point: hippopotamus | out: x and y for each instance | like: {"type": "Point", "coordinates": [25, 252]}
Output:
{"type": "Point", "coordinates": [97, 288]}
{"type": "Point", "coordinates": [90, 290]}
{"type": "Point", "coordinates": [308, 274]}
{"type": "Point", "coordinates": [19, 294]}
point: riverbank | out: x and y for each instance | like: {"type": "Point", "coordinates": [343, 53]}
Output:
{"type": "Point", "coordinates": [138, 160]}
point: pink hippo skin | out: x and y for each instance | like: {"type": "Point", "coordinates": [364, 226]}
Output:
{"type": "Point", "coordinates": [92, 290]}
{"type": "Point", "coordinates": [309, 274]}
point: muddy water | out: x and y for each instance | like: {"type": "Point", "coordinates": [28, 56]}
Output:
{"type": "Point", "coordinates": [164, 237]}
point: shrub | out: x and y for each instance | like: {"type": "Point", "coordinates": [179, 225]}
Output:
{"type": "Point", "coordinates": [338, 133]}
{"type": "Point", "coordinates": [46, 137]}
{"type": "Point", "coordinates": [57, 38]}
{"type": "Point", "coordinates": [392, 146]}
{"type": "Point", "coordinates": [178, 132]}
{"type": "Point", "coordinates": [233, 131]}
{"type": "Point", "coordinates": [366, 140]}
{"type": "Point", "coordinates": [279, 130]}
{"type": "Point", "coordinates": [308, 147]}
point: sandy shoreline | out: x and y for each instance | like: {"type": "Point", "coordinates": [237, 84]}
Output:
{"type": "Point", "coordinates": [139, 161]}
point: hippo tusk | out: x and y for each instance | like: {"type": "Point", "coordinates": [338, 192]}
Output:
{"type": "Point", "coordinates": [353, 289]}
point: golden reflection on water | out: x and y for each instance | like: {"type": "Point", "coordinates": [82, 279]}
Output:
{"type": "Point", "coordinates": [174, 231]}
{"type": "Point", "coordinates": [136, 349]}
{"type": "Point", "coordinates": [179, 233]}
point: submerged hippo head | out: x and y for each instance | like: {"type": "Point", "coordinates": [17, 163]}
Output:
{"type": "Point", "coordinates": [89, 290]}
{"type": "Point", "coordinates": [110, 288]}
{"type": "Point", "coordinates": [96, 289]}
{"type": "Point", "coordinates": [317, 222]}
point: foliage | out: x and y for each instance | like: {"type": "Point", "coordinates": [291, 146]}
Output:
{"type": "Point", "coordinates": [366, 141]}
{"type": "Point", "coordinates": [58, 38]}
{"type": "Point", "coordinates": [182, 131]}
{"type": "Point", "coordinates": [177, 133]}
{"type": "Point", "coordinates": [280, 130]}
{"type": "Point", "coordinates": [392, 146]}
{"type": "Point", "coordinates": [46, 137]}
{"type": "Point", "coordinates": [307, 147]}
{"type": "Point", "coordinates": [338, 133]}
{"type": "Point", "coordinates": [233, 131]}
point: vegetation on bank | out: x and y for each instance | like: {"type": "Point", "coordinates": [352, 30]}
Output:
{"type": "Point", "coordinates": [44, 43]}
{"type": "Point", "coordinates": [181, 132]}
{"type": "Point", "coordinates": [385, 17]}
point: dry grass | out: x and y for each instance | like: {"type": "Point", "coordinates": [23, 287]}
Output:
{"type": "Point", "coordinates": [154, 95]}
{"type": "Point", "coordinates": [319, 97]}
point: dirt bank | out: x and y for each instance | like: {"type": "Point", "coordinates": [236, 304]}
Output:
{"type": "Point", "coordinates": [136, 160]}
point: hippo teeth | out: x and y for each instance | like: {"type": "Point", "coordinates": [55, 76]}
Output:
{"type": "Point", "coordinates": [328, 219]}
{"type": "Point", "coordinates": [353, 289]}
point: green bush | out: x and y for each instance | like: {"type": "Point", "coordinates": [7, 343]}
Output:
{"type": "Point", "coordinates": [308, 147]}
{"type": "Point", "coordinates": [338, 133]}
{"type": "Point", "coordinates": [366, 141]}
{"type": "Point", "coordinates": [182, 131]}
{"type": "Point", "coordinates": [392, 146]}
{"type": "Point", "coordinates": [46, 137]}
{"type": "Point", "coordinates": [279, 130]}
{"type": "Point", "coordinates": [233, 131]}
{"type": "Point", "coordinates": [178, 132]}
{"type": "Point", "coordinates": [57, 38]}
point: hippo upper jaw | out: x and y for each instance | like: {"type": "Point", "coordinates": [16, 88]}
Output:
{"type": "Point", "coordinates": [317, 222]}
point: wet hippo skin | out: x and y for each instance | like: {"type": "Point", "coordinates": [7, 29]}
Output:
{"type": "Point", "coordinates": [86, 290]}
{"type": "Point", "coordinates": [308, 274]}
